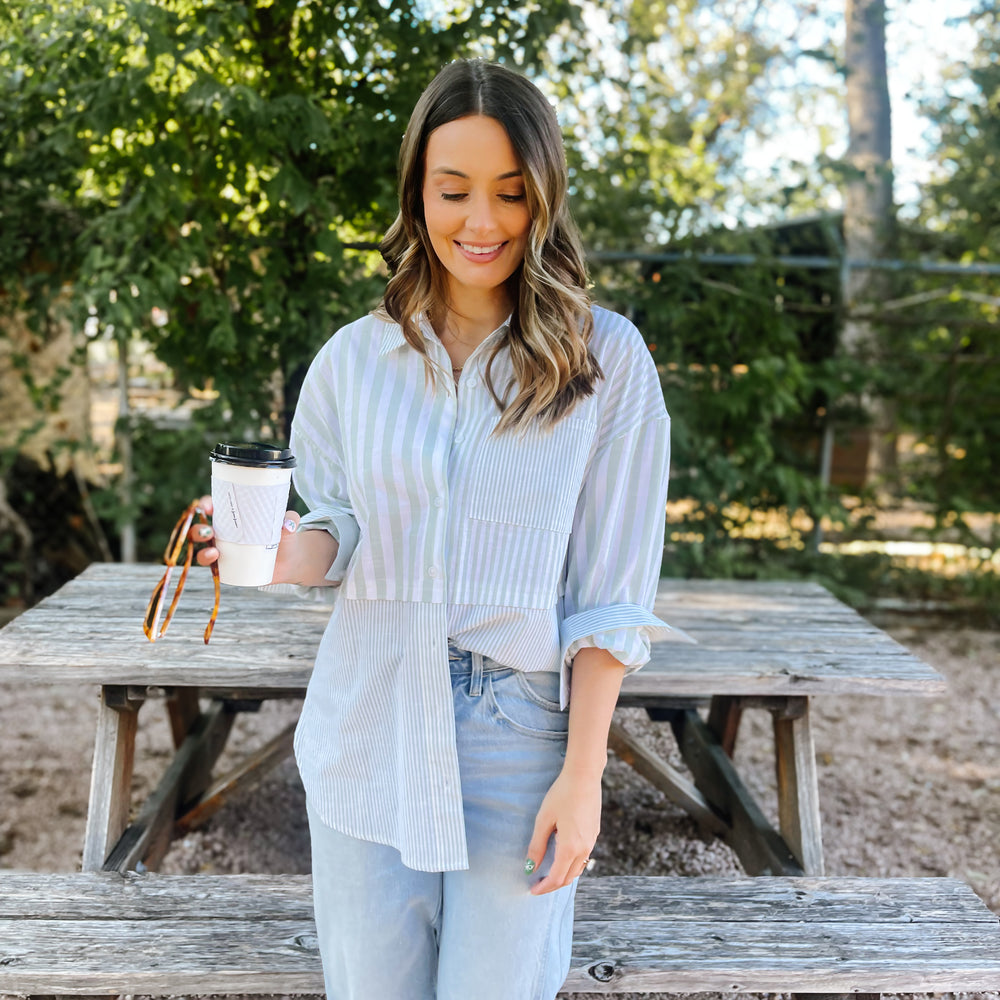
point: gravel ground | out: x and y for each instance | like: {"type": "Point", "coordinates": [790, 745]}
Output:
{"type": "Point", "coordinates": [908, 786]}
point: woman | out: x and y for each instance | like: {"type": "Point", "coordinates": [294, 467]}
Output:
{"type": "Point", "coordinates": [484, 460]}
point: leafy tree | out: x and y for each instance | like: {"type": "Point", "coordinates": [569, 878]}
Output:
{"type": "Point", "coordinates": [198, 168]}
{"type": "Point", "coordinates": [661, 120]}
{"type": "Point", "coordinates": [195, 172]}
{"type": "Point", "coordinates": [950, 354]}
{"type": "Point", "coordinates": [658, 159]}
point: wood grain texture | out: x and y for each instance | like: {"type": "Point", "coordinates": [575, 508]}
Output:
{"type": "Point", "coordinates": [110, 781]}
{"type": "Point", "coordinates": [753, 637]}
{"type": "Point", "coordinates": [94, 933]}
{"type": "Point", "coordinates": [798, 791]}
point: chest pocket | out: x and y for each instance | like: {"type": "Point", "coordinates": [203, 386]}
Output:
{"type": "Point", "coordinates": [533, 478]}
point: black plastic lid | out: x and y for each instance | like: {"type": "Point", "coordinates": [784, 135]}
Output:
{"type": "Point", "coordinates": [254, 454]}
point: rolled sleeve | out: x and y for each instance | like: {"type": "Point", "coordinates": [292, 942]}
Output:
{"type": "Point", "coordinates": [319, 475]}
{"type": "Point", "coordinates": [616, 548]}
{"type": "Point", "coordinates": [624, 630]}
{"type": "Point", "coordinates": [341, 523]}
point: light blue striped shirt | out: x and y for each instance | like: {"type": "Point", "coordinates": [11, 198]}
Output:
{"type": "Point", "coordinates": [523, 546]}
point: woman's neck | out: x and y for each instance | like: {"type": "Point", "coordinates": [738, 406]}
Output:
{"type": "Point", "coordinates": [463, 326]}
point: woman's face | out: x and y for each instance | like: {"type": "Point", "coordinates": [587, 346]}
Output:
{"type": "Point", "coordinates": [474, 204]}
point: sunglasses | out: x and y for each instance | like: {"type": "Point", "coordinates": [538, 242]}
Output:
{"type": "Point", "coordinates": [179, 538]}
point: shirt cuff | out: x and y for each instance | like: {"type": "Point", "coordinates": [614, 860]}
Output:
{"type": "Point", "coordinates": [624, 630]}
{"type": "Point", "coordinates": [343, 527]}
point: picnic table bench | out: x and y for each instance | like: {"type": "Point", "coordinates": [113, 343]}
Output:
{"type": "Point", "coordinates": [106, 932]}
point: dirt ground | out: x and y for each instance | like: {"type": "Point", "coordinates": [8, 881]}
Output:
{"type": "Point", "coordinates": [909, 786]}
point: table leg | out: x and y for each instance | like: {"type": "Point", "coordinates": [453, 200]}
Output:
{"type": "Point", "coordinates": [183, 709]}
{"type": "Point", "coordinates": [111, 776]}
{"type": "Point", "coordinates": [760, 848]}
{"type": "Point", "coordinates": [676, 786]}
{"type": "Point", "coordinates": [148, 837]}
{"type": "Point", "coordinates": [798, 785]}
{"type": "Point", "coordinates": [724, 716]}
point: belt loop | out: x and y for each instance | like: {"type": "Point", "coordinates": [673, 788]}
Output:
{"type": "Point", "coordinates": [476, 684]}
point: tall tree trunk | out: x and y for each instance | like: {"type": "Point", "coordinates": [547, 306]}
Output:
{"type": "Point", "coordinates": [869, 215]}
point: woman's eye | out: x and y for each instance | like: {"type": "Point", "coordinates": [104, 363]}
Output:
{"type": "Point", "coordinates": [512, 198]}
{"type": "Point", "coordinates": [452, 196]}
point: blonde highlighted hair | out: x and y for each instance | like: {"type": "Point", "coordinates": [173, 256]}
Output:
{"type": "Point", "coordinates": [551, 323]}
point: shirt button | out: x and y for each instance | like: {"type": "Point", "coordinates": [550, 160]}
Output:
{"type": "Point", "coordinates": [439, 501]}
{"type": "Point", "coordinates": [472, 382]}
{"type": "Point", "coordinates": [459, 438]}
{"type": "Point", "coordinates": [433, 571]}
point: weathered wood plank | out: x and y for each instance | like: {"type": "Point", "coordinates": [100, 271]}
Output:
{"type": "Point", "coordinates": [254, 934]}
{"type": "Point", "coordinates": [724, 717]}
{"type": "Point", "coordinates": [88, 896]}
{"type": "Point", "coordinates": [280, 957]}
{"type": "Point", "coordinates": [846, 899]}
{"type": "Point", "coordinates": [110, 780]}
{"type": "Point", "coordinates": [183, 709]}
{"type": "Point", "coordinates": [148, 837]}
{"type": "Point", "coordinates": [798, 791]}
{"type": "Point", "coordinates": [733, 957]}
{"type": "Point", "coordinates": [754, 637]}
{"type": "Point", "coordinates": [157, 957]}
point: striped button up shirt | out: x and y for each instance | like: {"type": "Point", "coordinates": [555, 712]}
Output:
{"type": "Point", "coordinates": [524, 546]}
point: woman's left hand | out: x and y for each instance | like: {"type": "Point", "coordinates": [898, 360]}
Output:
{"type": "Point", "coordinates": [571, 810]}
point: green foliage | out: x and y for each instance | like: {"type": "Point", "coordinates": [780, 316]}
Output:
{"type": "Point", "coordinates": [946, 347]}
{"type": "Point", "coordinates": [864, 581]}
{"type": "Point", "coordinates": [748, 363]}
{"type": "Point", "coordinates": [659, 122]}
{"type": "Point", "coordinates": [196, 172]}
{"type": "Point", "coordinates": [202, 164]}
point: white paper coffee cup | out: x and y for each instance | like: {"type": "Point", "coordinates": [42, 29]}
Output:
{"type": "Point", "coordinates": [250, 483]}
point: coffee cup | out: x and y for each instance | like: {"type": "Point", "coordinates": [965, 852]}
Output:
{"type": "Point", "coordinates": [250, 483]}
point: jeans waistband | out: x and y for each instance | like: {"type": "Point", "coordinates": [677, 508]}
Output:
{"type": "Point", "coordinates": [464, 661]}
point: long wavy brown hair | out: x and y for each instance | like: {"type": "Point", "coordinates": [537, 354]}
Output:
{"type": "Point", "coordinates": [551, 322]}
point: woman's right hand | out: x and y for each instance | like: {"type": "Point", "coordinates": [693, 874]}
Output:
{"type": "Point", "coordinates": [304, 557]}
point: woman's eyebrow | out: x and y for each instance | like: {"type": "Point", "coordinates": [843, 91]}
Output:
{"type": "Point", "coordinates": [451, 171]}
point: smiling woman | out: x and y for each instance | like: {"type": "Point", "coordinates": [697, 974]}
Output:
{"type": "Point", "coordinates": [484, 459]}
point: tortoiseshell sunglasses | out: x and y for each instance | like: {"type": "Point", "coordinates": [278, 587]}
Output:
{"type": "Point", "coordinates": [178, 537]}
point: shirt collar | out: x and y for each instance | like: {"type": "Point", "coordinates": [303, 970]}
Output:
{"type": "Point", "coordinates": [392, 334]}
{"type": "Point", "coordinates": [392, 337]}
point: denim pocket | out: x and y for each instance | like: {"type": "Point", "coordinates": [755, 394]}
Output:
{"type": "Point", "coordinates": [527, 702]}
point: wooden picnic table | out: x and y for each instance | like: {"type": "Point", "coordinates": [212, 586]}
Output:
{"type": "Point", "coordinates": [770, 645]}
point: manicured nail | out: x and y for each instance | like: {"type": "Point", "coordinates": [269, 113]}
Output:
{"type": "Point", "coordinates": [204, 531]}
{"type": "Point", "coordinates": [529, 866]}
{"type": "Point", "coordinates": [289, 524]}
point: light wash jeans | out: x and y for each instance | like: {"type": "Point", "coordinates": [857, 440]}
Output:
{"type": "Point", "coordinates": [387, 932]}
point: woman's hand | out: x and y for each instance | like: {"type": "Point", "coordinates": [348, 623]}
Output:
{"type": "Point", "coordinates": [571, 810]}
{"type": "Point", "coordinates": [303, 557]}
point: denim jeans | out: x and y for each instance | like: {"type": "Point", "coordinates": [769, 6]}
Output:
{"type": "Point", "coordinates": [387, 932]}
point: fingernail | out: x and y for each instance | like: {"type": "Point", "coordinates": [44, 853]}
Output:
{"type": "Point", "coordinates": [529, 866]}
{"type": "Point", "coordinates": [204, 531]}
{"type": "Point", "coordinates": [289, 524]}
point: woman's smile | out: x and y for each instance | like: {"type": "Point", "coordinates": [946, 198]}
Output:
{"type": "Point", "coordinates": [481, 254]}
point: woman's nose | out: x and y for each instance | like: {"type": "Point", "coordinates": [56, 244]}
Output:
{"type": "Point", "coordinates": [481, 215]}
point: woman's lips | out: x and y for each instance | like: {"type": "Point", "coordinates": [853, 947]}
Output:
{"type": "Point", "coordinates": [481, 253]}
